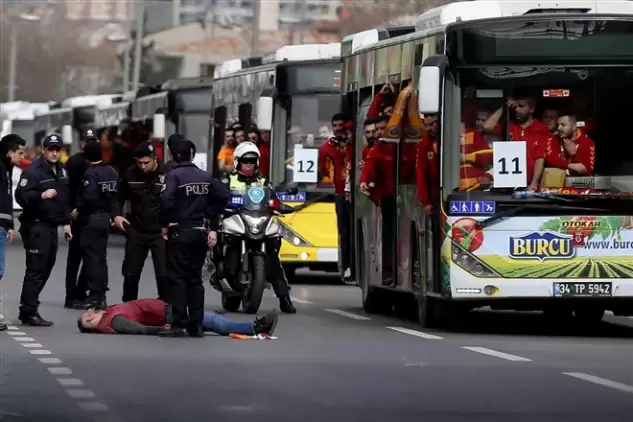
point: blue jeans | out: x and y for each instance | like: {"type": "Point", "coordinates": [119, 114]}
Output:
{"type": "Point", "coordinates": [3, 250]}
{"type": "Point", "coordinates": [214, 323]}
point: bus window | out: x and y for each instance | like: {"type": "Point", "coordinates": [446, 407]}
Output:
{"type": "Point", "coordinates": [309, 125]}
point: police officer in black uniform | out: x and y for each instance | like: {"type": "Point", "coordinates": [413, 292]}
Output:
{"type": "Point", "coordinates": [190, 198]}
{"type": "Point", "coordinates": [76, 288]}
{"type": "Point", "coordinates": [141, 185]}
{"type": "Point", "coordinates": [44, 197]}
{"type": "Point", "coordinates": [95, 208]}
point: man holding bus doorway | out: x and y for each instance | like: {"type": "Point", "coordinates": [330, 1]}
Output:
{"type": "Point", "coordinates": [333, 158]}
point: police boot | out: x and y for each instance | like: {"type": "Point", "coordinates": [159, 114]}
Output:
{"type": "Point", "coordinates": [286, 306]}
{"type": "Point", "coordinates": [173, 332]}
{"type": "Point", "coordinates": [35, 320]}
{"type": "Point", "coordinates": [195, 331]}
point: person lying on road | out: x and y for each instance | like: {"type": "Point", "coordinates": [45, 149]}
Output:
{"type": "Point", "coordinates": [150, 316]}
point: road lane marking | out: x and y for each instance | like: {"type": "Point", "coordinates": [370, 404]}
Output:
{"type": "Point", "coordinates": [16, 333]}
{"type": "Point", "coordinates": [70, 382]}
{"type": "Point", "coordinates": [60, 370]}
{"type": "Point", "coordinates": [301, 301]}
{"type": "Point", "coordinates": [32, 345]}
{"type": "Point", "coordinates": [92, 406]}
{"type": "Point", "coordinates": [80, 394]}
{"type": "Point", "coordinates": [415, 333]}
{"type": "Point", "coordinates": [24, 339]}
{"type": "Point", "coordinates": [40, 352]}
{"type": "Point", "coordinates": [50, 361]}
{"type": "Point", "coordinates": [496, 354]}
{"type": "Point", "coordinates": [12, 327]}
{"type": "Point", "coordinates": [601, 381]}
{"type": "Point", "coordinates": [347, 314]}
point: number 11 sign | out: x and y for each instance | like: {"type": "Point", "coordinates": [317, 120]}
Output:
{"type": "Point", "coordinates": [510, 164]}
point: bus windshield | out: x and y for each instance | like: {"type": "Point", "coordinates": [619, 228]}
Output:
{"type": "Point", "coordinates": [566, 116]}
{"type": "Point", "coordinates": [308, 127]}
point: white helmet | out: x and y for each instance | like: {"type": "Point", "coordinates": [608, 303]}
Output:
{"type": "Point", "coordinates": [243, 149]}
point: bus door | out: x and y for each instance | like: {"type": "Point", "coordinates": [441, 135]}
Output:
{"type": "Point", "coordinates": [216, 138]}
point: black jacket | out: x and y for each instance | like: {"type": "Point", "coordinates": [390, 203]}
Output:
{"type": "Point", "coordinates": [76, 167]}
{"type": "Point", "coordinates": [6, 196]}
{"type": "Point", "coordinates": [143, 192]}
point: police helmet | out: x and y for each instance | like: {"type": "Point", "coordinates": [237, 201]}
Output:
{"type": "Point", "coordinates": [244, 150]}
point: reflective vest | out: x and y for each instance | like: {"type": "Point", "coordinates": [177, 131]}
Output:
{"type": "Point", "coordinates": [236, 184]}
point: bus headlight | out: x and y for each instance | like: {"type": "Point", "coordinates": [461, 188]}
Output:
{"type": "Point", "coordinates": [291, 237]}
{"type": "Point", "coordinates": [470, 263]}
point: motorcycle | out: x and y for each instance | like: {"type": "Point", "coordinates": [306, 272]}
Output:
{"type": "Point", "coordinates": [245, 234]}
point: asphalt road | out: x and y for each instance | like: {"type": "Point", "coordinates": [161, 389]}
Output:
{"type": "Point", "coordinates": [330, 363]}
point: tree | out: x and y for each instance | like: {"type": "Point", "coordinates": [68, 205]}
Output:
{"type": "Point", "coordinates": [55, 61]}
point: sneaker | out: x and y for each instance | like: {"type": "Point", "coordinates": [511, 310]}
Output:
{"type": "Point", "coordinates": [266, 324]}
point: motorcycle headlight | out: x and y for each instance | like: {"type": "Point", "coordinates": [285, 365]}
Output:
{"type": "Point", "coordinates": [255, 224]}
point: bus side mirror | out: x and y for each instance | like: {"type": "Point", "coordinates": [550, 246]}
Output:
{"type": "Point", "coordinates": [67, 134]}
{"type": "Point", "coordinates": [429, 90]}
{"type": "Point", "coordinates": [158, 128]}
{"type": "Point", "coordinates": [265, 113]}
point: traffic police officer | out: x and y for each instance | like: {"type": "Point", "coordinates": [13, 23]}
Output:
{"type": "Point", "coordinates": [141, 185]}
{"type": "Point", "coordinates": [44, 197]}
{"type": "Point", "coordinates": [246, 162]}
{"type": "Point", "coordinates": [189, 197]}
{"type": "Point", "coordinates": [95, 207]}
{"type": "Point", "coordinates": [76, 288]}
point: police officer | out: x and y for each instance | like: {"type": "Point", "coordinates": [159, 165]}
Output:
{"type": "Point", "coordinates": [95, 207]}
{"type": "Point", "coordinates": [141, 185]}
{"type": "Point", "coordinates": [246, 162]}
{"type": "Point", "coordinates": [44, 197]}
{"type": "Point", "coordinates": [76, 288]}
{"type": "Point", "coordinates": [189, 197]}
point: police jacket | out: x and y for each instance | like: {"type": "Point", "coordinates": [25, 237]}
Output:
{"type": "Point", "coordinates": [76, 167]}
{"type": "Point", "coordinates": [143, 191]}
{"type": "Point", "coordinates": [6, 196]}
{"type": "Point", "coordinates": [98, 190]}
{"type": "Point", "coordinates": [37, 178]}
{"type": "Point", "coordinates": [190, 196]}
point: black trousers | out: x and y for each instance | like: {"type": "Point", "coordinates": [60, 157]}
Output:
{"type": "Point", "coordinates": [389, 230]}
{"type": "Point", "coordinates": [75, 287]}
{"type": "Point", "coordinates": [275, 272]}
{"type": "Point", "coordinates": [137, 246]}
{"type": "Point", "coordinates": [186, 254]}
{"type": "Point", "coordinates": [343, 221]}
{"type": "Point", "coordinates": [41, 242]}
{"type": "Point", "coordinates": [94, 248]}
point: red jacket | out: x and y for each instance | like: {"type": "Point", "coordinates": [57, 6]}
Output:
{"type": "Point", "coordinates": [535, 136]}
{"type": "Point", "coordinates": [374, 108]}
{"type": "Point", "coordinates": [264, 158]}
{"type": "Point", "coordinates": [556, 156]}
{"type": "Point", "coordinates": [379, 165]}
{"type": "Point", "coordinates": [152, 312]}
{"type": "Point", "coordinates": [427, 170]}
{"type": "Point", "coordinates": [333, 159]}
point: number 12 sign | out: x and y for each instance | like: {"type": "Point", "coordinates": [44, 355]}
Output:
{"type": "Point", "coordinates": [510, 164]}
{"type": "Point", "coordinates": [305, 167]}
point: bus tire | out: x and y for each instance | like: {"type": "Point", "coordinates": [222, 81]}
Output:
{"type": "Point", "coordinates": [588, 316]}
{"type": "Point", "coordinates": [375, 301]}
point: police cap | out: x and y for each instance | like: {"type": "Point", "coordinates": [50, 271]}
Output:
{"type": "Point", "coordinates": [93, 150]}
{"type": "Point", "coordinates": [88, 134]}
{"type": "Point", "coordinates": [53, 141]}
{"type": "Point", "coordinates": [181, 151]}
{"type": "Point", "coordinates": [146, 149]}
{"type": "Point", "coordinates": [173, 139]}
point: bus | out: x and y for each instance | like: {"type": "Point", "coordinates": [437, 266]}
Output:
{"type": "Point", "coordinates": [291, 96]}
{"type": "Point", "coordinates": [564, 249]}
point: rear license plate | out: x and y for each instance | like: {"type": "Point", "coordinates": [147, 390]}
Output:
{"type": "Point", "coordinates": [567, 289]}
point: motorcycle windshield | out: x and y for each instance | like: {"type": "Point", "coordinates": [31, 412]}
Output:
{"type": "Point", "coordinates": [253, 199]}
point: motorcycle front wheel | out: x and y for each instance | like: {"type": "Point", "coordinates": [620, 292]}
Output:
{"type": "Point", "coordinates": [252, 298]}
{"type": "Point", "coordinates": [231, 303]}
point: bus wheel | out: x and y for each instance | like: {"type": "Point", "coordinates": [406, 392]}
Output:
{"type": "Point", "coordinates": [375, 301]}
{"type": "Point", "coordinates": [426, 311]}
{"type": "Point", "coordinates": [588, 316]}
{"type": "Point", "coordinates": [406, 307]}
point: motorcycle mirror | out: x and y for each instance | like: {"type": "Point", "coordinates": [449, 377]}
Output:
{"type": "Point", "coordinates": [292, 190]}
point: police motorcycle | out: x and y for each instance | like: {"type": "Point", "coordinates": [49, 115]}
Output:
{"type": "Point", "coordinates": [246, 231]}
